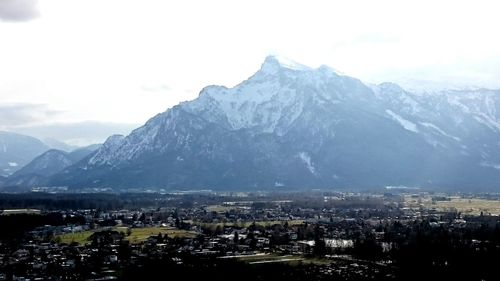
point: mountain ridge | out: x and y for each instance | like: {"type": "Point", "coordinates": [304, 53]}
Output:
{"type": "Point", "coordinates": [41, 168]}
{"type": "Point", "coordinates": [295, 126]}
{"type": "Point", "coordinates": [16, 150]}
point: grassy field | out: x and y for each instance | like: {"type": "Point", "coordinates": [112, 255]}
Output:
{"type": "Point", "coordinates": [141, 234]}
{"type": "Point", "coordinates": [78, 237]}
{"type": "Point", "coordinates": [266, 258]}
{"type": "Point", "coordinates": [220, 209]}
{"type": "Point", "coordinates": [463, 205]}
{"type": "Point", "coordinates": [471, 206]}
{"type": "Point", "coordinates": [138, 234]}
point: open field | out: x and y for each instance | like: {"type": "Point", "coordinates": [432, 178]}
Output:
{"type": "Point", "coordinates": [220, 208]}
{"type": "Point", "coordinates": [137, 235]}
{"type": "Point", "coordinates": [19, 211]}
{"type": "Point", "coordinates": [274, 258]}
{"type": "Point", "coordinates": [78, 237]}
{"type": "Point", "coordinates": [141, 234]}
{"type": "Point", "coordinates": [471, 206]}
{"type": "Point", "coordinates": [267, 258]}
{"type": "Point", "coordinates": [466, 206]}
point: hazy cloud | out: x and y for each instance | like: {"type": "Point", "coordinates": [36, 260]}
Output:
{"type": "Point", "coordinates": [366, 40]}
{"type": "Point", "coordinates": [18, 10]}
{"type": "Point", "coordinates": [21, 114]}
{"type": "Point", "coordinates": [156, 87]}
{"type": "Point", "coordinates": [95, 76]}
{"type": "Point", "coordinates": [78, 133]}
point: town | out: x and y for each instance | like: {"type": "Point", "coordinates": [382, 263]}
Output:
{"type": "Point", "coordinates": [395, 235]}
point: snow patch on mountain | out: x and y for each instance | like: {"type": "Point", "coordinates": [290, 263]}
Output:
{"type": "Point", "coordinates": [248, 105]}
{"type": "Point", "coordinates": [402, 100]}
{"type": "Point", "coordinates": [275, 64]}
{"type": "Point", "coordinates": [273, 98]}
{"type": "Point", "coordinates": [288, 63]}
{"type": "Point", "coordinates": [108, 150]}
{"type": "Point", "coordinates": [407, 125]}
{"type": "Point", "coordinates": [487, 121]}
{"type": "Point", "coordinates": [436, 128]}
{"type": "Point", "coordinates": [490, 165]}
{"type": "Point", "coordinates": [306, 159]}
{"type": "Point", "coordinates": [259, 105]}
{"type": "Point", "coordinates": [51, 156]}
{"type": "Point", "coordinates": [479, 104]}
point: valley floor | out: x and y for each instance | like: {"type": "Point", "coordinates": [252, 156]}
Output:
{"type": "Point", "coordinates": [254, 236]}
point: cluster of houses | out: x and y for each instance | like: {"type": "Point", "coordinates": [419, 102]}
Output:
{"type": "Point", "coordinates": [228, 229]}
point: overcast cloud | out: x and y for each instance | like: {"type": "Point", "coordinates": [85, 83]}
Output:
{"type": "Point", "coordinates": [22, 114]}
{"type": "Point", "coordinates": [123, 61]}
{"type": "Point", "coordinates": [77, 134]}
{"type": "Point", "coordinates": [18, 10]}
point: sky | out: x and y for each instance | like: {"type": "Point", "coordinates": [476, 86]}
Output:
{"type": "Point", "coordinates": [117, 63]}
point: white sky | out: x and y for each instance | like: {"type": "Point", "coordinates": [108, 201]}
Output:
{"type": "Point", "coordinates": [124, 61]}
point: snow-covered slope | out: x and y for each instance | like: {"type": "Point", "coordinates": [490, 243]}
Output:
{"type": "Point", "coordinates": [47, 164]}
{"type": "Point", "coordinates": [292, 126]}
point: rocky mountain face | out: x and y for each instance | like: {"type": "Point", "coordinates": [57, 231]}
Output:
{"type": "Point", "coordinates": [290, 126]}
{"type": "Point", "coordinates": [17, 150]}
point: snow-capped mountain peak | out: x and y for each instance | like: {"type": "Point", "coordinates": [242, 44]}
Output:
{"type": "Point", "coordinates": [274, 62]}
{"type": "Point", "coordinates": [296, 126]}
{"type": "Point", "coordinates": [270, 99]}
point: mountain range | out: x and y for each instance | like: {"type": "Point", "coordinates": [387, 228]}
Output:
{"type": "Point", "coordinates": [18, 150]}
{"type": "Point", "coordinates": [49, 163]}
{"type": "Point", "coordinates": [291, 126]}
